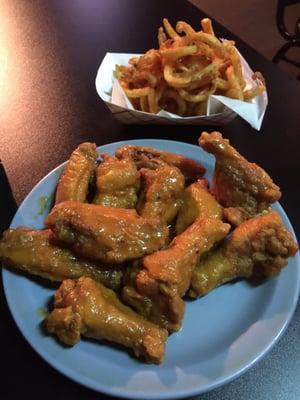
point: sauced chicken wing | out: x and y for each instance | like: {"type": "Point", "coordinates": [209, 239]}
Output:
{"type": "Point", "coordinates": [118, 182]}
{"type": "Point", "coordinates": [161, 195]}
{"type": "Point", "coordinates": [165, 276]}
{"type": "Point", "coordinates": [148, 157]}
{"type": "Point", "coordinates": [75, 179]}
{"type": "Point", "coordinates": [258, 247]}
{"type": "Point", "coordinates": [155, 309]}
{"type": "Point", "coordinates": [238, 183]}
{"type": "Point", "coordinates": [197, 202]}
{"type": "Point", "coordinates": [88, 308]}
{"type": "Point", "coordinates": [35, 252]}
{"type": "Point", "coordinates": [111, 235]}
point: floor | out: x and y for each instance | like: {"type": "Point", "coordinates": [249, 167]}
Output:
{"type": "Point", "coordinates": [254, 21]}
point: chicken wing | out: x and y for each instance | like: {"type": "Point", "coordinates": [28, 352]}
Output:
{"type": "Point", "coordinates": [148, 157]}
{"type": "Point", "coordinates": [85, 307]}
{"type": "Point", "coordinates": [74, 181]}
{"type": "Point", "coordinates": [165, 276]}
{"type": "Point", "coordinates": [34, 252]}
{"type": "Point", "coordinates": [197, 202]}
{"type": "Point", "coordinates": [161, 194]}
{"type": "Point", "coordinates": [259, 247]}
{"type": "Point", "coordinates": [238, 183]}
{"type": "Point", "coordinates": [111, 235]}
{"type": "Point", "coordinates": [118, 182]}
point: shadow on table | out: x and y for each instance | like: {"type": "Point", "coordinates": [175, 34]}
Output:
{"type": "Point", "coordinates": [8, 205]}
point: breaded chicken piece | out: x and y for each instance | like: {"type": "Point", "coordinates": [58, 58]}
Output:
{"type": "Point", "coordinates": [237, 183]}
{"type": "Point", "coordinates": [148, 157]}
{"type": "Point", "coordinates": [74, 181]}
{"type": "Point", "coordinates": [161, 193]}
{"type": "Point", "coordinates": [111, 235]}
{"type": "Point", "coordinates": [259, 247]}
{"type": "Point", "coordinates": [118, 182]}
{"type": "Point", "coordinates": [197, 202]}
{"type": "Point", "coordinates": [85, 307]}
{"type": "Point", "coordinates": [165, 275]}
{"type": "Point", "coordinates": [35, 252]}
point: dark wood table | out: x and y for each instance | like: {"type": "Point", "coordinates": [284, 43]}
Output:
{"type": "Point", "coordinates": [49, 55]}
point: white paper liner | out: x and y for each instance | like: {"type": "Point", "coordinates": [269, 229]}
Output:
{"type": "Point", "coordinates": [220, 109]}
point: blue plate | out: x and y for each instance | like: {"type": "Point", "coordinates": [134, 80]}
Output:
{"type": "Point", "coordinates": [223, 333]}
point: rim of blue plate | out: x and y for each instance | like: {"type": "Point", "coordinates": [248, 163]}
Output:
{"type": "Point", "coordinates": [164, 395]}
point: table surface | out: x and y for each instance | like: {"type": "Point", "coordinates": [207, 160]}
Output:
{"type": "Point", "coordinates": [49, 54]}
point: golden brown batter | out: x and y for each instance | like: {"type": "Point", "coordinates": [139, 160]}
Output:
{"type": "Point", "coordinates": [35, 252]}
{"type": "Point", "coordinates": [74, 181]}
{"type": "Point", "coordinates": [148, 157]}
{"type": "Point", "coordinates": [161, 194]}
{"type": "Point", "coordinates": [165, 276]}
{"type": "Point", "coordinates": [258, 247]}
{"type": "Point", "coordinates": [118, 182]}
{"type": "Point", "coordinates": [237, 183]}
{"type": "Point", "coordinates": [108, 234]}
{"type": "Point", "coordinates": [85, 307]}
{"type": "Point", "coordinates": [197, 202]}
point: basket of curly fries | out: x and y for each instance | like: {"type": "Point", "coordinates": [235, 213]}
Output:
{"type": "Point", "coordinates": [192, 78]}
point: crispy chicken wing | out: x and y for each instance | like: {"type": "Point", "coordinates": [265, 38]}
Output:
{"type": "Point", "coordinates": [34, 252]}
{"type": "Point", "coordinates": [111, 235]}
{"type": "Point", "coordinates": [148, 157]}
{"type": "Point", "coordinates": [197, 202]}
{"type": "Point", "coordinates": [118, 182]}
{"type": "Point", "coordinates": [258, 247]}
{"type": "Point", "coordinates": [165, 276]}
{"type": "Point", "coordinates": [74, 181]}
{"type": "Point", "coordinates": [161, 194]}
{"type": "Point", "coordinates": [85, 307]}
{"type": "Point", "coordinates": [238, 183]}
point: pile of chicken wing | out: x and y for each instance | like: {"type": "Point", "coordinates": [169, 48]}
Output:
{"type": "Point", "coordinates": [131, 235]}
